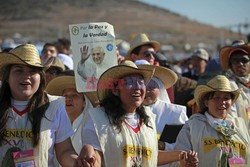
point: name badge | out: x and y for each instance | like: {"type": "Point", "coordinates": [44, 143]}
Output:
{"type": "Point", "coordinates": [24, 158]}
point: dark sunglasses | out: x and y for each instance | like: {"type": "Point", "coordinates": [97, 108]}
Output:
{"type": "Point", "coordinates": [239, 60]}
{"type": "Point", "coordinates": [149, 53]}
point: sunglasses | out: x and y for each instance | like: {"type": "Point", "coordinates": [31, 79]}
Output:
{"type": "Point", "coordinates": [239, 60]}
{"type": "Point", "coordinates": [149, 53]}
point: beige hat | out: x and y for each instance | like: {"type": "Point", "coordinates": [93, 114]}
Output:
{"type": "Point", "coordinates": [125, 68]}
{"type": "Point", "coordinates": [218, 83]}
{"type": "Point", "coordinates": [227, 51]}
{"type": "Point", "coordinates": [26, 54]}
{"type": "Point", "coordinates": [92, 96]}
{"type": "Point", "coordinates": [139, 40]}
{"type": "Point", "coordinates": [190, 103]}
{"type": "Point", "coordinates": [201, 53]}
{"type": "Point", "coordinates": [58, 84]}
{"type": "Point", "coordinates": [167, 76]}
{"type": "Point", "coordinates": [118, 41]}
{"type": "Point", "coordinates": [58, 64]}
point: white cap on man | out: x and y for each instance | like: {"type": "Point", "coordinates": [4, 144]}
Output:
{"type": "Point", "coordinates": [201, 53]}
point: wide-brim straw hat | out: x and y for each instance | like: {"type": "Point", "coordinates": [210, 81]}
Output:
{"type": "Point", "coordinates": [117, 72]}
{"type": "Point", "coordinates": [167, 76]}
{"type": "Point", "coordinates": [227, 51]}
{"type": "Point", "coordinates": [218, 83]}
{"type": "Point", "coordinates": [26, 54]}
{"type": "Point", "coordinates": [139, 40]}
{"type": "Point", "coordinates": [92, 96]}
{"type": "Point", "coordinates": [59, 84]}
{"type": "Point", "coordinates": [57, 63]}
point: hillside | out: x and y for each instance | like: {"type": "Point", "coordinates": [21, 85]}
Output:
{"type": "Point", "coordinates": [49, 19]}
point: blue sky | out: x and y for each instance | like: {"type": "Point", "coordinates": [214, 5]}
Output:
{"type": "Point", "coordinates": [219, 13]}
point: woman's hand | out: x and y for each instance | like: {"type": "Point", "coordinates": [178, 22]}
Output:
{"type": "Point", "coordinates": [87, 157]}
{"type": "Point", "coordinates": [189, 159]}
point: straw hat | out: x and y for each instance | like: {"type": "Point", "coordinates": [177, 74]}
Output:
{"type": "Point", "coordinates": [118, 41]}
{"type": "Point", "coordinates": [191, 102]}
{"type": "Point", "coordinates": [125, 68]}
{"type": "Point", "coordinates": [227, 51]}
{"type": "Point", "coordinates": [26, 54]}
{"type": "Point", "coordinates": [58, 84]}
{"type": "Point", "coordinates": [167, 76]}
{"type": "Point", "coordinates": [58, 64]}
{"type": "Point", "coordinates": [140, 40]}
{"type": "Point", "coordinates": [218, 83]}
{"type": "Point", "coordinates": [92, 96]}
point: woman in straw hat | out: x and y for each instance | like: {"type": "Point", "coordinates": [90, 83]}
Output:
{"type": "Point", "coordinates": [156, 99]}
{"type": "Point", "coordinates": [122, 131]}
{"type": "Point", "coordinates": [76, 104]}
{"type": "Point", "coordinates": [32, 123]}
{"type": "Point", "coordinates": [54, 70]}
{"type": "Point", "coordinates": [235, 60]}
{"type": "Point", "coordinates": [219, 139]}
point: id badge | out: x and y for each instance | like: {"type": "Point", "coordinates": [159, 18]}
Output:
{"type": "Point", "coordinates": [24, 158]}
{"type": "Point", "coordinates": [236, 162]}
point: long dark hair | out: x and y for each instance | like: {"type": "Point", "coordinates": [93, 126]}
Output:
{"type": "Point", "coordinates": [36, 107]}
{"type": "Point", "coordinates": [116, 113]}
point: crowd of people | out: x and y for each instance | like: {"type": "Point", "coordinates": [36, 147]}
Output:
{"type": "Point", "coordinates": [150, 115]}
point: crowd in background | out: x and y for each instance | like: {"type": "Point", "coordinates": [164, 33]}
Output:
{"type": "Point", "coordinates": [192, 112]}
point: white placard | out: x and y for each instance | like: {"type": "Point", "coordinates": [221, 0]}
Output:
{"type": "Point", "coordinates": [94, 51]}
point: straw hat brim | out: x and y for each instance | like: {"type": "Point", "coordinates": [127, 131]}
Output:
{"type": "Point", "coordinates": [57, 63]}
{"type": "Point", "coordinates": [118, 41]}
{"type": "Point", "coordinates": [117, 72]}
{"type": "Point", "coordinates": [202, 90]}
{"type": "Point", "coordinates": [92, 96]}
{"type": "Point", "coordinates": [155, 44]}
{"type": "Point", "coordinates": [190, 103]}
{"type": "Point", "coordinates": [59, 84]}
{"type": "Point", "coordinates": [167, 76]}
{"type": "Point", "coordinates": [7, 58]}
{"type": "Point", "coordinates": [226, 51]}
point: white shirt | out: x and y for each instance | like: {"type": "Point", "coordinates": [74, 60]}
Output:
{"type": "Point", "coordinates": [168, 113]}
{"type": "Point", "coordinates": [89, 130]}
{"type": "Point", "coordinates": [60, 130]}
